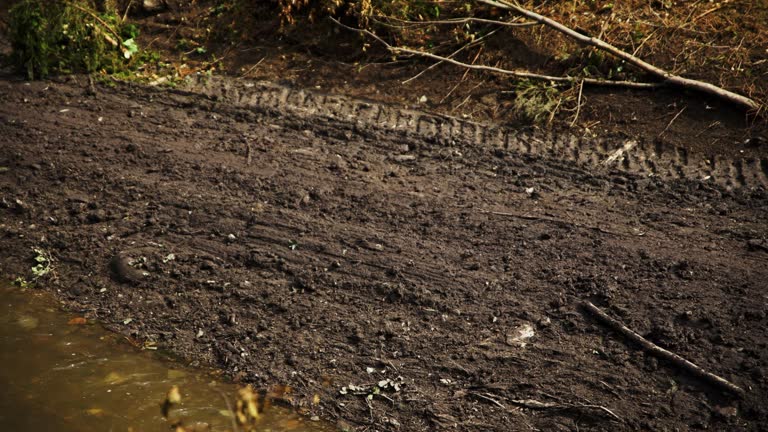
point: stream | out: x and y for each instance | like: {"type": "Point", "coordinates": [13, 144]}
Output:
{"type": "Point", "coordinates": [61, 373]}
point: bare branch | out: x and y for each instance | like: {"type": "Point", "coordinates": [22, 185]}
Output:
{"type": "Point", "coordinates": [661, 352]}
{"type": "Point", "coordinates": [516, 73]}
{"type": "Point", "coordinates": [461, 21]}
{"type": "Point", "coordinates": [468, 45]}
{"type": "Point", "coordinates": [526, 74]}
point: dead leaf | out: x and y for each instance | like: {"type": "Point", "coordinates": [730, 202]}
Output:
{"type": "Point", "coordinates": [77, 321]}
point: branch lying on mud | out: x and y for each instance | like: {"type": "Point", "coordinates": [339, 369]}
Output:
{"type": "Point", "coordinates": [661, 352]}
{"type": "Point", "coordinates": [526, 74]}
{"type": "Point", "coordinates": [516, 73]}
{"type": "Point", "coordinates": [538, 405]}
{"type": "Point", "coordinates": [560, 222]}
{"type": "Point", "coordinates": [667, 77]}
{"type": "Point", "coordinates": [465, 20]}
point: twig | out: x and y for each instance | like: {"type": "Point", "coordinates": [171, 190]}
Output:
{"type": "Point", "coordinates": [434, 65]}
{"type": "Point", "coordinates": [578, 104]}
{"type": "Point", "coordinates": [518, 73]}
{"type": "Point", "coordinates": [709, 11]}
{"type": "Point", "coordinates": [538, 405]}
{"type": "Point", "coordinates": [549, 219]}
{"type": "Point", "coordinates": [127, 9]}
{"type": "Point", "coordinates": [666, 76]}
{"type": "Point", "coordinates": [527, 74]}
{"type": "Point", "coordinates": [602, 408]}
{"type": "Point", "coordinates": [252, 68]}
{"type": "Point", "coordinates": [231, 411]}
{"type": "Point", "coordinates": [672, 121]}
{"type": "Point", "coordinates": [554, 110]}
{"type": "Point", "coordinates": [661, 352]}
{"type": "Point", "coordinates": [629, 145]}
{"type": "Point", "coordinates": [489, 399]}
{"type": "Point", "coordinates": [96, 17]}
{"type": "Point", "coordinates": [248, 152]}
{"type": "Point", "coordinates": [466, 20]}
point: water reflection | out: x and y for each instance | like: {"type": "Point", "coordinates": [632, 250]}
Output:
{"type": "Point", "coordinates": [60, 375]}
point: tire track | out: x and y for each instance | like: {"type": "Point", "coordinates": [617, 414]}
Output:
{"type": "Point", "coordinates": [646, 159]}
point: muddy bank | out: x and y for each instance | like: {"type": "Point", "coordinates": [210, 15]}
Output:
{"type": "Point", "coordinates": [330, 251]}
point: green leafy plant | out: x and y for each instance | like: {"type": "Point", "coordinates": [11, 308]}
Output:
{"type": "Point", "coordinates": [60, 36]}
{"type": "Point", "coordinates": [44, 264]}
{"type": "Point", "coordinates": [534, 101]}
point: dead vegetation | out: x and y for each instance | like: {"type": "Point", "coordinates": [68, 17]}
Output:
{"type": "Point", "coordinates": [715, 48]}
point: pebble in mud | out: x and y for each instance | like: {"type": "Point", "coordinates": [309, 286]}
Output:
{"type": "Point", "coordinates": [122, 271]}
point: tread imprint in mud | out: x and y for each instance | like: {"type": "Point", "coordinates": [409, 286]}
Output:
{"type": "Point", "coordinates": [648, 159]}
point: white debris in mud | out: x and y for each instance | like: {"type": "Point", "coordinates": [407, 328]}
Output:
{"type": "Point", "coordinates": [520, 335]}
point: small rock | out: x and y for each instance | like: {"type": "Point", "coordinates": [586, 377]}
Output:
{"type": "Point", "coordinates": [404, 158]}
{"type": "Point", "coordinates": [756, 141]}
{"type": "Point", "coordinates": [122, 271]}
{"type": "Point", "coordinates": [758, 245]}
{"type": "Point", "coordinates": [520, 335]}
{"type": "Point", "coordinates": [153, 6]}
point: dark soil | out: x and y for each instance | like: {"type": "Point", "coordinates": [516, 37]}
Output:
{"type": "Point", "coordinates": [293, 236]}
{"type": "Point", "coordinates": [320, 242]}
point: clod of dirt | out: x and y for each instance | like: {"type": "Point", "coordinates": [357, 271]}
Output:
{"type": "Point", "coordinates": [122, 272]}
{"type": "Point", "coordinates": [758, 245]}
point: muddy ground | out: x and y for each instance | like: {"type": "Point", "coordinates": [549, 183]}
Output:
{"type": "Point", "coordinates": [337, 245]}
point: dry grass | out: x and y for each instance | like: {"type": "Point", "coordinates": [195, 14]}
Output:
{"type": "Point", "coordinates": [725, 43]}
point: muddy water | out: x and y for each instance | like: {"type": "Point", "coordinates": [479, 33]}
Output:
{"type": "Point", "coordinates": [60, 375]}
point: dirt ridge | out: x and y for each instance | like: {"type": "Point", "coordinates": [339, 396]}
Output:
{"type": "Point", "coordinates": [651, 159]}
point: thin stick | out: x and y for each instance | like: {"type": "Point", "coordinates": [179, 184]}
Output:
{"type": "Point", "coordinates": [672, 121]}
{"type": "Point", "coordinates": [465, 20]}
{"type": "Point", "coordinates": [434, 65]}
{"type": "Point", "coordinates": [489, 399]}
{"type": "Point", "coordinates": [578, 104]}
{"type": "Point", "coordinates": [629, 145]}
{"type": "Point", "coordinates": [560, 222]}
{"type": "Point", "coordinates": [231, 411]}
{"type": "Point", "coordinates": [661, 352]}
{"type": "Point", "coordinates": [96, 17]}
{"type": "Point", "coordinates": [518, 73]}
{"type": "Point", "coordinates": [127, 9]}
{"type": "Point", "coordinates": [527, 74]}
{"type": "Point", "coordinates": [668, 77]}
{"type": "Point", "coordinates": [252, 68]}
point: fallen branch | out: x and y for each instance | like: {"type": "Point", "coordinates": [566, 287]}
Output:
{"type": "Point", "coordinates": [516, 73]}
{"type": "Point", "coordinates": [661, 352]}
{"type": "Point", "coordinates": [525, 74]}
{"type": "Point", "coordinates": [463, 47]}
{"type": "Point", "coordinates": [460, 21]}
{"type": "Point", "coordinates": [559, 222]}
{"type": "Point", "coordinates": [667, 77]}
{"type": "Point", "coordinates": [538, 405]}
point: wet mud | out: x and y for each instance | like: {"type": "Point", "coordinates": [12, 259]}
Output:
{"type": "Point", "coordinates": [416, 271]}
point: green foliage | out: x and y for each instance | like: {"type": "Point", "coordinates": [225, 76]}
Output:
{"type": "Point", "coordinates": [44, 264]}
{"type": "Point", "coordinates": [534, 101]}
{"type": "Point", "coordinates": [60, 36]}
